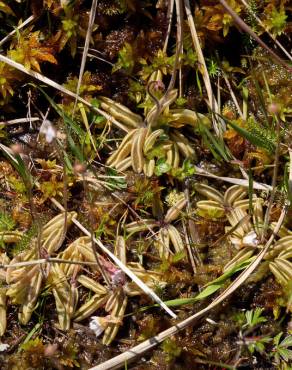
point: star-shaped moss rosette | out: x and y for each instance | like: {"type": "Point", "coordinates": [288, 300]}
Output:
{"type": "Point", "coordinates": [245, 229]}
{"type": "Point", "coordinates": [25, 282]}
{"type": "Point", "coordinates": [168, 240]}
{"type": "Point", "coordinates": [113, 297]}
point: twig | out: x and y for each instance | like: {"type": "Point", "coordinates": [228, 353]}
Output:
{"type": "Point", "coordinates": [232, 95]}
{"type": "Point", "coordinates": [169, 17]}
{"type": "Point", "coordinates": [23, 24]}
{"type": "Point", "coordinates": [179, 45]}
{"type": "Point", "coordinates": [65, 190]}
{"type": "Point", "coordinates": [134, 213]}
{"type": "Point", "coordinates": [290, 175]}
{"type": "Point", "coordinates": [194, 257]}
{"type": "Point", "coordinates": [212, 101]}
{"type": "Point", "coordinates": [85, 50]}
{"type": "Point", "coordinates": [241, 222]}
{"type": "Point", "coordinates": [231, 180]}
{"type": "Point", "coordinates": [17, 121]}
{"type": "Point", "coordinates": [178, 50]}
{"type": "Point", "coordinates": [99, 58]}
{"type": "Point", "coordinates": [91, 231]}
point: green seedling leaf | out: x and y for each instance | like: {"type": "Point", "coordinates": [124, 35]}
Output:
{"type": "Point", "coordinates": [161, 167]}
{"type": "Point", "coordinates": [253, 318]}
{"type": "Point", "coordinates": [187, 169]}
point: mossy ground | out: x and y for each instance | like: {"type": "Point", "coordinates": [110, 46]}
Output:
{"type": "Point", "coordinates": [67, 150]}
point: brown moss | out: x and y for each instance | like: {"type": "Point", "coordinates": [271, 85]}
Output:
{"type": "Point", "coordinates": [116, 39]}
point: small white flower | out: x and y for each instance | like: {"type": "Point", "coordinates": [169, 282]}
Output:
{"type": "Point", "coordinates": [48, 130]}
{"type": "Point", "coordinates": [98, 325]}
{"type": "Point", "coordinates": [4, 347]}
{"type": "Point", "coordinates": [250, 239]}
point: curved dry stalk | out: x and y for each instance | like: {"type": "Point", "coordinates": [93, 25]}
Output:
{"type": "Point", "coordinates": [23, 24]}
{"type": "Point", "coordinates": [231, 92]}
{"type": "Point", "coordinates": [17, 121]}
{"type": "Point", "coordinates": [189, 249]}
{"type": "Point", "coordinates": [135, 214]}
{"type": "Point", "coordinates": [119, 361]}
{"type": "Point", "coordinates": [179, 46]}
{"type": "Point", "coordinates": [169, 17]}
{"type": "Point", "coordinates": [85, 50]}
{"type": "Point", "coordinates": [212, 101]}
{"type": "Point", "coordinates": [91, 232]}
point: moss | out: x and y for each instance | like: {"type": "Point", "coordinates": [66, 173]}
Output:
{"type": "Point", "coordinates": [111, 182]}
